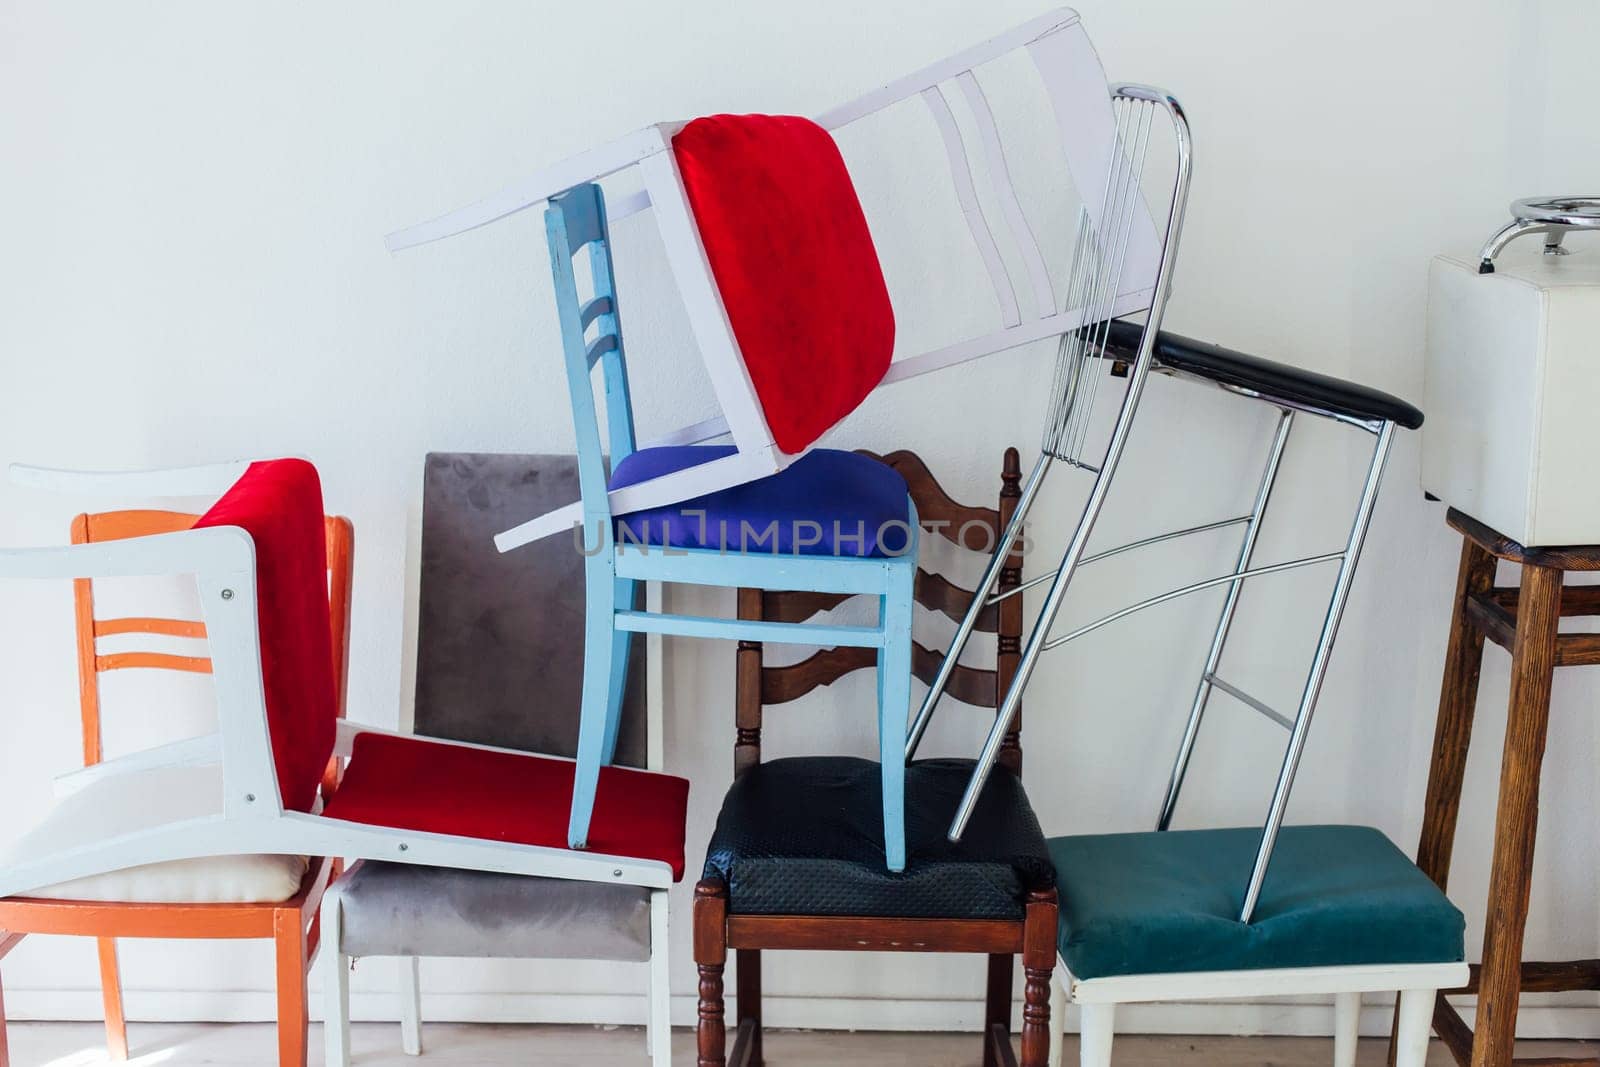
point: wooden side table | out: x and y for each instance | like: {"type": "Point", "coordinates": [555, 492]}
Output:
{"type": "Point", "coordinates": [1523, 620]}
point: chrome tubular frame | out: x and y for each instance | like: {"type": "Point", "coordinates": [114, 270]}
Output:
{"type": "Point", "coordinates": [1219, 638]}
{"type": "Point", "coordinates": [1233, 579]}
{"type": "Point", "coordinates": [1105, 470]}
{"type": "Point", "coordinates": [1319, 669]}
{"type": "Point", "coordinates": [1065, 435]}
{"type": "Point", "coordinates": [969, 621]}
{"type": "Point", "coordinates": [1143, 542]}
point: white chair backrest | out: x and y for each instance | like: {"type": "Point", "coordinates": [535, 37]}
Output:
{"type": "Point", "coordinates": [1095, 151]}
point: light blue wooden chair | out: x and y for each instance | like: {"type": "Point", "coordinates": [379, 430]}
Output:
{"type": "Point", "coordinates": [832, 522]}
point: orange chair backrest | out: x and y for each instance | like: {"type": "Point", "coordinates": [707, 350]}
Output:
{"type": "Point", "coordinates": [116, 525]}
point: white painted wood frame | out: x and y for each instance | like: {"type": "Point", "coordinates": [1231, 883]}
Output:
{"type": "Point", "coordinates": [658, 1019]}
{"type": "Point", "coordinates": [249, 817]}
{"type": "Point", "coordinates": [1416, 983]}
{"type": "Point", "coordinates": [1075, 81]}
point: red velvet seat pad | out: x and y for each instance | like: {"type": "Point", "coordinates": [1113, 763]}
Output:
{"type": "Point", "coordinates": [412, 783]}
{"type": "Point", "coordinates": [794, 261]}
{"type": "Point", "coordinates": [279, 503]}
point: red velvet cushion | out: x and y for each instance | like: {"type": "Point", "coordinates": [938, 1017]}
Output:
{"type": "Point", "coordinates": [413, 783]}
{"type": "Point", "coordinates": [794, 261]}
{"type": "Point", "coordinates": [279, 503]}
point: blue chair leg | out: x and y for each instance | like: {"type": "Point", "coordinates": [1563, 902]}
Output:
{"type": "Point", "coordinates": [621, 644]}
{"type": "Point", "coordinates": [894, 705]}
{"type": "Point", "coordinates": [599, 650]}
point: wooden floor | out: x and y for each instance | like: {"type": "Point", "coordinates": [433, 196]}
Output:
{"type": "Point", "coordinates": [79, 1045]}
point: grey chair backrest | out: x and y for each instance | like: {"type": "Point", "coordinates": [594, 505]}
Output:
{"type": "Point", "coordinates": [500, 637]}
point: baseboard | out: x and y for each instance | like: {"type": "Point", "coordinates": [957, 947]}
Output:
{"type": "Point", "coordinates": [1235, 1018]}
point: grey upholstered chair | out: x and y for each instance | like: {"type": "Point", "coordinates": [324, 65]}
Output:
{"type": "Point", "coordinates": [499, 655]}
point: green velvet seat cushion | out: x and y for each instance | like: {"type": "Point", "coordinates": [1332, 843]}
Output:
{"type": "Point", "coordinates": [1162, 903]}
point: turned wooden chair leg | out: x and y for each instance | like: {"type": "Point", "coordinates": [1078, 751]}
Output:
{"type": "Point", "coordinates": [1517, 816]}
{"type": "Point", "coordinates": [111, 998]}
{"type": "Point", "coordinates": [997, 1004]}
{"type": "Point", "coordinates": [1038, 964]}
{"type": "Point", "coordinates": [289, 941]}
{"type": "Point", "coordinates": [748, 990]}
{"type": "Point", "coordinates": [710, 957]}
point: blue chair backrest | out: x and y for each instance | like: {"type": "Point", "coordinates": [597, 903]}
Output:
{"type": "Point", "coordinates": [591, 333]}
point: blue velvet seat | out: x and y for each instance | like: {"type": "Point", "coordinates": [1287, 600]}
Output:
{"type": "Point", "coordinates": [1164, 903]}
{"type": "Point", "coordinates": [854, 505]}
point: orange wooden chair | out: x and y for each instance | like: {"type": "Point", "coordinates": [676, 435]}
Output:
{"type": "Point", "coordinates": [256, 896]}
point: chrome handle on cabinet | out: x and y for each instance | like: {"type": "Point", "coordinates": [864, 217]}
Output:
{"type": "Point", "coordinates": [1553, 216]}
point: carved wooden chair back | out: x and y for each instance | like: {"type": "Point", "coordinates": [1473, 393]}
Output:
{"type": "Point", "coordinates": [972, 528]}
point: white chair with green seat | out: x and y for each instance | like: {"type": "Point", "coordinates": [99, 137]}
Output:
{"type": "Point", "coordinates": [1156, 917]}
{"type": "Point", "coordinates": [1271, 911]}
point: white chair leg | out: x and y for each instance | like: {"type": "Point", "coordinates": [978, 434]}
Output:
{"type": "Point", "coordinates": [410, 1006]}
{"type": "Point", "coordinates": [1346, 1028]}
{"type": "Point", "coordinates": [1058, 1018]}
{"type": "Point", "coordinates": [659, 1030]}
{"type": "Point", "coordinates": [1096, 1026]}
{"type": "Point", "coordinates": [336, 1009]}
{"type": "Point", "coordinates": [1416, 1023]}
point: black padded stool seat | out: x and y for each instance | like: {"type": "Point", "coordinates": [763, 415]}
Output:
{"type": "Point", "coordinates": [804, 836]}
{"type": "Point", "coordinates": [1275, 381]}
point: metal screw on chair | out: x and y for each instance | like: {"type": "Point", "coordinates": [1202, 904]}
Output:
{"type": "Point", "coordinates": [617, 873]}
{"type": "Point", "coordinates": [404, 846]}
{"type": "Point", "coordinates": [227, 594]}
{"type": "Point", "coordinates": [249, 798]}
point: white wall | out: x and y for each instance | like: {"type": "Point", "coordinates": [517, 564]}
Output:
{"type": "Point", "coordinates": [191, 269]}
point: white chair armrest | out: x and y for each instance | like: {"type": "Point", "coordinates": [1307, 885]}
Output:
{"type": "Point", "coordinates": [190, 752]}
{"type": "Point", "coordinates": [214, 550]}
{"type": "Point", "coordinates": [210, 479]}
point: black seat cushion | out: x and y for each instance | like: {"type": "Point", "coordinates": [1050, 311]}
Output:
{"type": "Point", "coordinates": [804, 836]}
{"type": "Point", "coordinates": [1275, 381]}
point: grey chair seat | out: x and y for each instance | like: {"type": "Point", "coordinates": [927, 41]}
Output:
{"type": "Point", "coordinates": [394, 909]}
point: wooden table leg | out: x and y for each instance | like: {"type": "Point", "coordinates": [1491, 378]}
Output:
{"type": "Point", "coordinates": [1458, 699]}
{"type": "Point", "coordinates": [1517, 816]}
{"type": "Point", "coordinates": [1452, 736]}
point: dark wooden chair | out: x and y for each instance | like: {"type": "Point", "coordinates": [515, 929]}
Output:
{"type": "Point", "coordinates": [796, 858]}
